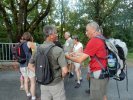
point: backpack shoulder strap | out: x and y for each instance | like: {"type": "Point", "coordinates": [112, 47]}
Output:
{"type": "Point", "coordinates": [104, 41]}
{"type": "Point", "coordinates": [97, 59]}
{"type": "Point", "coordinates": [48, 49]}
{"type": "Point", "coordinates": [45, 51]}
{"type": "Point", "coordinates": [101, 65]}
{"type": "Point", "coordinates": [100, 37]}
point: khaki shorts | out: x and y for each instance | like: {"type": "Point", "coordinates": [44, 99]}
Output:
{"type": "Point", "coordinates": [69, 61]}
{"type": "Point", "coordinates": [55, 92]}
{"type": "Point", "coordinates": [98, 88]}
{"type": "Point", "coordinates": [26, 72]}
{"type": "Point", "coordinates": [77, 65]}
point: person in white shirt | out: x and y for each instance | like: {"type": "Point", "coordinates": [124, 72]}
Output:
{"type": "Point", "coordinates": [78, 48]}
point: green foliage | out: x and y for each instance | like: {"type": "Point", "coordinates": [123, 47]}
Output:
{"type": "Point", "coordinates": [115, 16]}
{"type": "Point", "coordinates": [130, 56]}
{"type": "Point", "coordinates": [130, 50]}
{"type": "Point", "coordinates": [86, 62]}
{"type": "Point", "coordinates": [19, 16]}
{"type": "Point", "coordinates": [38, 37]}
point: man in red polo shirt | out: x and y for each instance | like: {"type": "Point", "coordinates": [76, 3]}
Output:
{"type": "Point", "coordinates": [96, 50]}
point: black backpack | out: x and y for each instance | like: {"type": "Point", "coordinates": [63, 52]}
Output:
{"type": "Point", "coordinates": [43, 67]}
{"type": "Point", "coordinates": [22, 54]}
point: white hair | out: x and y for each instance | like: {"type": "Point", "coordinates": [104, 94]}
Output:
{"type": "Point", "coordinates": [101, 30]}
{"type": "Point", "coordinates": [67, 33]}
{"type": "Point", "coordinates": [94, 25]}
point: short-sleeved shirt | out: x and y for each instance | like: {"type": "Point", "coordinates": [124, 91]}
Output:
{"type": "Point", "coordinates": [68, 46]}
{"type": "Point", "coordinates": [28, 53]}
{"type": "Point", "coordinates": [58, 59]}
{"type": "Point", "coordinates": [96, 46]}
{"type": "Point", "coordinates": [77, 47]}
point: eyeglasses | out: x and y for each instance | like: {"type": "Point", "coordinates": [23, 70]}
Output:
{"type": "Point", "coordinates": [86, 30]}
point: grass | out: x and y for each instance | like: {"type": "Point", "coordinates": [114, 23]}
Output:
{"type": "Point", "coordinates": [130, 57]}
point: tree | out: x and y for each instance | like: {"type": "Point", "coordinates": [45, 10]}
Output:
{"type": "Point", "coordinates": [120, 22]}
{"type": "Point", "coordinates": [23, 15]}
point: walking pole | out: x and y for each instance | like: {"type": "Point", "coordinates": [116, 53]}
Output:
{"type": "Point", "coordinates": [69, 72]}
{"type": "Point", "coordinates": [118, 89]}
{"type": "Point", "coordinates": [88, 78]}
{"type": "Point", "coordinates": [126, 77]}
{"type": "Point", "coordinates": [89, 84]}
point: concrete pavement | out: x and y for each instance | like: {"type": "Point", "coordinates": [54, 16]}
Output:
{"type": "Point", "coordinates": [9, 87]}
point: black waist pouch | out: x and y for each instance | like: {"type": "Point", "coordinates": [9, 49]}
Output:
{"type": "Point", "coordinates": [104, 74]}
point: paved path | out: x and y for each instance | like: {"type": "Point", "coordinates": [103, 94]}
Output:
{"type": "Point", "coordinates": [9, 87]}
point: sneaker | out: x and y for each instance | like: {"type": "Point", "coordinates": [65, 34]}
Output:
{"type": "Point", "coordinates": [38, 98]}
{"type": "Point", "coordinates": [77, 85]}
{"type": "Point", "coordinates": [81, 80]}
{"type": "Point", "coordinates": [71, 75]}
{"type": "Point", "coordinates": [87, 91]}
{"type": "Point", "coordinates": [21, 88]}
{"type": "Point", "coordinates": [28, 97]}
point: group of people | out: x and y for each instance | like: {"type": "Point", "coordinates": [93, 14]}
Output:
{"type": "Point", "coordinates": [73, 46]}
{"type": "Point", "coordinates": [65, 59]}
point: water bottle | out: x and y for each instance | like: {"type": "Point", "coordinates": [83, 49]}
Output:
{"type": "Point", "coordinates": [111, 61]}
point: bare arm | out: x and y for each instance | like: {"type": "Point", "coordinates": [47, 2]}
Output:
{"type": "Point", "coordinates": [80, 50]}
{"type": "Point", "coordinates": [31, 45]}
{"type": "Point", "coordinates": [79, 59]}
{"type": "Point", "coordinates": [62, 63]}
{"type": "Point", "coordinates": [64, 71]}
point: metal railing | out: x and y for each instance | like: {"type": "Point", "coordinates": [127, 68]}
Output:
{"type": "Point", "coordinates": [6, 52]}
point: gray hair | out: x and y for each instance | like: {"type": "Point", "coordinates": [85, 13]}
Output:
{"type": "Point", "coordinates": [101, 30]}
{"type": "Point", "coordinates": [75, 37]}
{"type": "Point", "coordinates": [49, 29]}
{"type": "Point", "coordinates": [67, 33]}
{"type": "Point", "coordinates": [94, 25]}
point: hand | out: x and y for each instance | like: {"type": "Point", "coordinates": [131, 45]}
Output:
{"type": "Point", "coordinates": [31, 67]}
{"type": "Point", "coordinates": [67, 56]}
{"type": "Point", "coordinates": [88, 76]}
{"type": "Point", "coordinates": [72, 54]}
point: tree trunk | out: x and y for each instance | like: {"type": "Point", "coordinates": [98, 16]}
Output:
{"type": "Point", "coordinates": [7, 22]}
{"type": "Point", "coordinates": [20, 10]}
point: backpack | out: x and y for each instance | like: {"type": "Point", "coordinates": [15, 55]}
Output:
{"type": "Point", "coordinates": [43, 67]}
{"type": "Point", "coordinates": [115, 59]}
{"type": "Point", "coordinates": [122, 53]}
{"type": "Point", "coordinates": [14, 51]}
{"type": "Point", "coordinates": [22, 52]}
